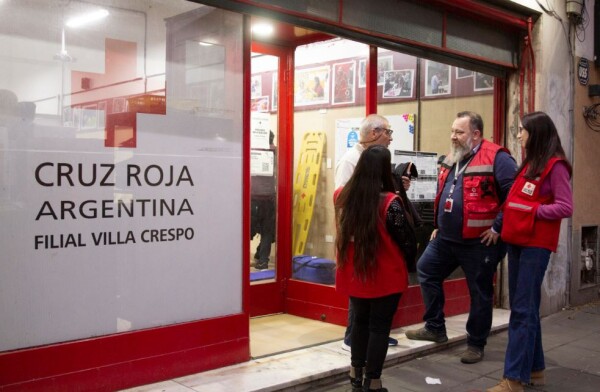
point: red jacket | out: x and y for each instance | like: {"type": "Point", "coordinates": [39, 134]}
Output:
{"type": "Point", "coordinates": [520, 224]}
{"type": "Point", "coordinates": [391, 275]}
{"type": "Point", "coordinates": [481, 203]}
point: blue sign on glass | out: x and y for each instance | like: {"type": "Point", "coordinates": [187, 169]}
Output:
{"type": "Point", "coordinates": [352, 138]}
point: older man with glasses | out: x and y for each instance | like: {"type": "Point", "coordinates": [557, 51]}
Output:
{"type": "Point", "coordinates": [374, 129]}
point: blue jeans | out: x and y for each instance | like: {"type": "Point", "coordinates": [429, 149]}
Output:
{"type": "Point", "coordinates": [479, 263]}
{"type": "Point", "coordinates": [524, 352]}
{"type": "Point", "coordinates": [370, 332]}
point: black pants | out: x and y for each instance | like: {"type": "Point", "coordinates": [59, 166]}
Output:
{"type": "Point", "coordinates": [370, 332]}
{"type": "Point", "coordinates": [262, 221]}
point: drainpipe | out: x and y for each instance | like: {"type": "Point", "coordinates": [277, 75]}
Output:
{"type": "Point", "coordinates": [571, 38]}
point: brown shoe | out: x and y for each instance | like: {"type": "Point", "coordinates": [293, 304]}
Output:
{"type": "Point", "coordinates": [506, 385]}
{"type": "Point", "coordinates": [472, 355]}
{"type": "Point", "coordinates": [537, 378]}
{"type": "Point", "coordinates": [425, 334]}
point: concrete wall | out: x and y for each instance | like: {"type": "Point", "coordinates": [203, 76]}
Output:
{"type": "Point", "coordinates": [586, 160]}
{"type": "Point", "coordinates": [559, 93]}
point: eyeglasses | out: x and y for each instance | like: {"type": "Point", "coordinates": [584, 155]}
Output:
{"type": "Point", "coordinates": [386, 130]}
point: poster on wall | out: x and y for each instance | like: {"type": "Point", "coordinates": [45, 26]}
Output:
{"type": "Point", "coordinates": [347, 133]}
{"type": "Point", "coordinates": [343, 82]}
{"type": "Point", "coordinates": [311, 86]}
{"type": "Point", "coordinates": [483, 82]}
{"type": "Point", "coordinates": [385, 63]}
{"type": "Point", "coordinates": [462, 73]}
{"type": "Point", "coordinates": [259, 130]}
{"type": "Point", "coordinates": [255, 86]}
{"type": "Point", "coordinates": [262, 163]}
{"type": "Point", "coordinates": [398, 84]}
{"type": "Point", "coordinates": [437, 78]}
{"type": "Point", "coordinates": [259, 104]}
{"type": "Point", "coordinates": [274, 95]}
{"type": "Point", "coordinates": [362, 73]}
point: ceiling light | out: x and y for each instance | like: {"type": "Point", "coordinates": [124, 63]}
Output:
{"type": "Point", "coordinates": [263, 29]}
{"type": "Point", "coordinates": [81, 20]}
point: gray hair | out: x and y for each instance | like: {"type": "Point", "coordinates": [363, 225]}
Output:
{"type": "Point", "coordinates": [475, 120]}
{"type": "Point", "coordinates": [372, 121]}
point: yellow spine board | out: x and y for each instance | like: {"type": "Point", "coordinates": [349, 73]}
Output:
{"type": "Point", "coordinates": [305, 187]}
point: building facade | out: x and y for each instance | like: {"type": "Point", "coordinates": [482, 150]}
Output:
{"type": "Point", "coordinates": [134, 135]}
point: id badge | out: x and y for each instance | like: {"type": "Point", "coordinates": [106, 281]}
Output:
{"type": "Point", "coordinates": [448, 205]}
{"type": "Point", "coordinates": [528, 188]}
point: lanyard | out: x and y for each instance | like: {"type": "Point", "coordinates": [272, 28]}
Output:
{"type": "Point", "coordinates": [457, 173]}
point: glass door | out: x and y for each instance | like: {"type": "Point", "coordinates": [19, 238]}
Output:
{"type": "Point", "coordinates": [267, 129]}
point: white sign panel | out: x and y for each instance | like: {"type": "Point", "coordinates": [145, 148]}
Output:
{"type": "Point", "coordinates": [259, 130]}
{"type": "Point", "coordinates": [97, 240]}
{"type": "Point", "coordinates": [262, 163]}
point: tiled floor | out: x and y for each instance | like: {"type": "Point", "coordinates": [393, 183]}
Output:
{"type": "Point", "coordinates": [283, 332]}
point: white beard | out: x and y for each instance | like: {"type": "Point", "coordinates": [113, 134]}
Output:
{"type": "Point", "coordinates": [457, 153]}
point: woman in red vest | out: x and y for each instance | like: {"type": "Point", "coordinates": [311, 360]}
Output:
{"type": "Point", "coordinates": [539, 198]}
{"type": "Point", "coordinates": [371, 267]}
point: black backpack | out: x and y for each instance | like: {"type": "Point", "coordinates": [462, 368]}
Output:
{"type": "Point", "coordinates": [408, 237]}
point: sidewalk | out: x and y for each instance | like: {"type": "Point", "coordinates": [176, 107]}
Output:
{"type": "Point", "coordinates": [325, 366]}
{"type": "Point", "coordinates": [571, 341]}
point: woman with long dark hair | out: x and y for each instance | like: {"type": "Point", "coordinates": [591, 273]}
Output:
{"type": "Point", "coordinates": [370, 264]}
{"type": "Point", "coordinates": [539, 199]}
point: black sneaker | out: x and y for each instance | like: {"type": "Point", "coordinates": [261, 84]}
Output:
{"type": "Point", "coordinates": [425, 334]}
{"type": "Point", "coordinates": [261, 265]}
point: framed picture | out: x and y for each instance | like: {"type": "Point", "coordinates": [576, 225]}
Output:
{"type": "Point", "coordinates": [101, 114]}
{"type": "Point", "coordinates": [274, 95]}
{"type": "Point", "coordinates": [343, 82]}
{"type": "Point", "coordinates": [362, 73]}
{"type": "Point", "coordinates": [462, 73]}
{"type": "Point", "coordinates": [255, 86]}
{"type": "Point", "coordinates": [89, 117]}
{"type": "Point", "coordinates": [437, 78]}
{"type": "Point", "coordinates": [259, 104]}
{"type": "Point", "coordinates": [398, 84]}
{"type": "Point", "coordinates": [384, 64]}
{"type": "Point", "coordinates": [483, 82]}
{"type": "Point", "coordinates": [311, 86]}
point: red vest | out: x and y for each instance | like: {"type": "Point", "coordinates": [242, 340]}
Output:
{"type": "Point", "coordinates": [520, 224]}
{"type": "Point", "coordinates": [391, 275]}
{"type": "Point", "coordinates": [481, 203]}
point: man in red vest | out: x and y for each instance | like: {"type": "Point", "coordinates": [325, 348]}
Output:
{"type": "Point", "coordinates": [473, 182]}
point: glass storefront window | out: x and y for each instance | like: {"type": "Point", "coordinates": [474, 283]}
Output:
{"type": "Point", "coordinates": [120, 132]}
{"type": "Point", "coordinates": [263, 166]}
{"type": "Point", "coordinates": [419, 97]}
{"type": "Point", "coordinates": [329, 104]}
